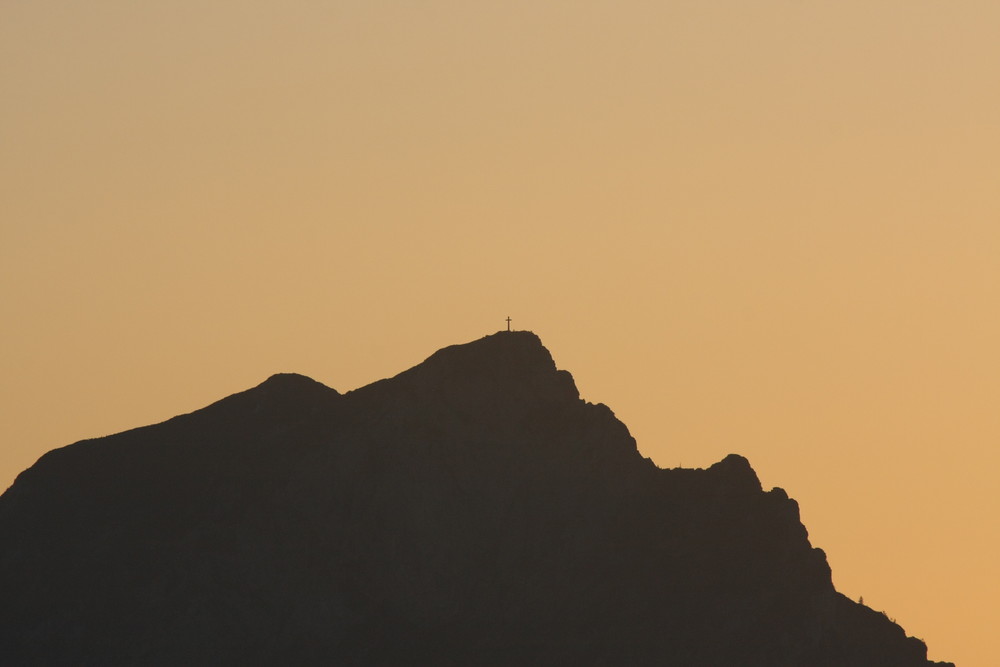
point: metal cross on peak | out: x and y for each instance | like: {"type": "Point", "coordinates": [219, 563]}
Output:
{"type": "Point", "coordinates": [508, 323]}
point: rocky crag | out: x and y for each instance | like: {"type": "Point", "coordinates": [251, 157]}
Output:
{"type": "Point", "coordinates": [472, 510]}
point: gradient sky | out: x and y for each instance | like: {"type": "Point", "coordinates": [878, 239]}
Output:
{"type": "Point", "coordinates": [769, 228]}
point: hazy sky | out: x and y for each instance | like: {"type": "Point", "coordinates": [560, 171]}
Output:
{"type": "Point", "coordinates": [770, 228]}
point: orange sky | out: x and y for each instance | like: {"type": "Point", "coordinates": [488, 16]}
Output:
{"type": "Point", "coordinates": [768, 228]}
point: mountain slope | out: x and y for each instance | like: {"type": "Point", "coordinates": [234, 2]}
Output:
{"type": "Point", "coordinates": [471, 510]}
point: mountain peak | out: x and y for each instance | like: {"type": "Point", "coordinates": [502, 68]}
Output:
{"type": "Point", "coordinates": [737, 473]}
{"type": "Point", "coordinates": [292, 382]}
{"type": "Point", "coordinates": [518, 351]}
{"type": "Point", "coordinates": [470, 506]}
{"type": "Point", "coordinates": [505, 367]}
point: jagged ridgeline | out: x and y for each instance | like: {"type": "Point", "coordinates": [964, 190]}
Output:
{"type": "Point", "coordinates": [472, 510]}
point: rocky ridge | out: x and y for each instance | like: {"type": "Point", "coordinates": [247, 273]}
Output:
{"type": "Point", "coordinates": [471, 510]}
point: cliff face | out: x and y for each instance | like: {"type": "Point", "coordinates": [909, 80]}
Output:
{"type": "Point", "coordinates": [471, 510]}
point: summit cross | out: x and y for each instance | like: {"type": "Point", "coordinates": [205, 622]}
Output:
{"type": "Point", "coordinates": [508, 323]}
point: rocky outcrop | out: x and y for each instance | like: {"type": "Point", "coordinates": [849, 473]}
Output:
{"type": "Point", "coordinates": [472, 510]}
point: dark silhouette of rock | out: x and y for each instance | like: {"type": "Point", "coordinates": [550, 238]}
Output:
{"type": "Point", "coordinates": [472, 510]}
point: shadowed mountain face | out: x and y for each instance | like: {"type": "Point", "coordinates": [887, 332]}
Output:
{"type": "Point", "coordinates": [469, 511]}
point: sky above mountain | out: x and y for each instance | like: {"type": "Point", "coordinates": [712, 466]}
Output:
{"type": "Point", "coordinates": [766, 228]}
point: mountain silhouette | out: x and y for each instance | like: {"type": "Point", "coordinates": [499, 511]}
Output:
{"type": "Point", "coordinates": [472, 510]}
